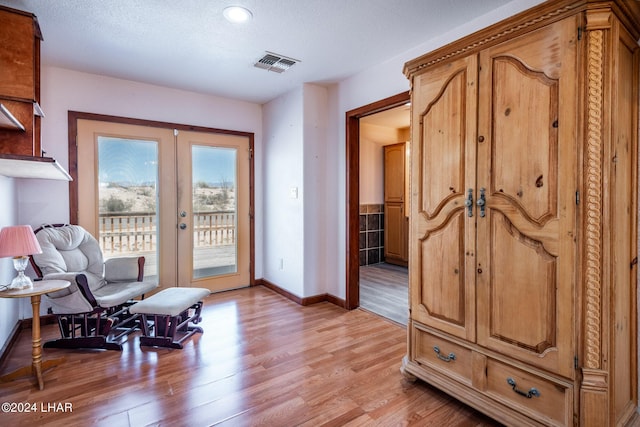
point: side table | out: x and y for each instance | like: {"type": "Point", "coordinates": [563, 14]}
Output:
{"type": "Point", "coordinates": [37, 365]}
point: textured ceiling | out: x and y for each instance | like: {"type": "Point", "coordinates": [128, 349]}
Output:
{"type": "Point", "coordinates": [187, 44]}
{"type": "Point", "coordinates": [399, 117]}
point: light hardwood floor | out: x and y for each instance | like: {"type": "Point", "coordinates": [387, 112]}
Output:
{"type": "Point", "coordinates": [384, 290]}
{"type": "Point", "coordinates": [262, 361]}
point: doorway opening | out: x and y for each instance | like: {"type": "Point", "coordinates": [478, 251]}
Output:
{"type": "Point", "coordinates": [353, 155]}
{"type": "Point", "coordinates": [384, 214]}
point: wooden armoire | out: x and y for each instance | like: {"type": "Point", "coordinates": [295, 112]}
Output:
{"type": "Point", "coordinates": [523, 221]}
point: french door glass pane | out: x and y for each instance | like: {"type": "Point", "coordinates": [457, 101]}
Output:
{"type": "Point", "coordinates": [127, 184]}
{"type": "Point", "coordinates": [214, 211]}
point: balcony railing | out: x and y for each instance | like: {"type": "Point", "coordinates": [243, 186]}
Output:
{"type": "Point", "coordinates": [137, 232]}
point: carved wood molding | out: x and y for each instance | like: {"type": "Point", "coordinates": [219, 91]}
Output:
{"type": "Point", "coordinates": [594, 379]}
{"type": "Point", "coordinates": [475, 45]}
{"type": "Point", "coordinates": [593, 231]}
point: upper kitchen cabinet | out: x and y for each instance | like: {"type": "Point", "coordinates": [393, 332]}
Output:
{"type": "Point", "coordinates": [20, 113]}
{"type": "Point", "coordinates": [19, 83]}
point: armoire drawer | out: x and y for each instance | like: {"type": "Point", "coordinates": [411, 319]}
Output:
{"type": "Point", "coordinates": [443, 355]}
{"type": "Point", "coordinates": [541, 398]}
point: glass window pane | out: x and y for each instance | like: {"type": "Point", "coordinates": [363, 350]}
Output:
{"type": "Point", "coordinates": [127, 197]}
{"type": "Point", "coordinates": [214, 211]}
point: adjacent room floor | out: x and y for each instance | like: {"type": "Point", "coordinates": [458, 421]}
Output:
{"type": "Point", "coordinates": [384, 291]}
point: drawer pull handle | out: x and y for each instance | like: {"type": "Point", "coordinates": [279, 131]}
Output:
{"type": "Point", "coordinates": [533, 392]}
{"type": "Point", "coordinates": [448, 358]}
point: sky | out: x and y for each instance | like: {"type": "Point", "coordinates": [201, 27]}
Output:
{"type": "Point", "coordinates": [135, 162]}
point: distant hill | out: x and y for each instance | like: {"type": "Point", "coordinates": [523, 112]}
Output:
{"type": "Point", "coordinates": [126, 197]}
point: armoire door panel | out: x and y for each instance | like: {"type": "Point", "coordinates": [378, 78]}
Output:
{"type": "Point", "coordinates": [442, 235]}
{"type": "Point", "coordinates": [445, 300]}
{"type": "Point", "coordinates": [546, 234]}
{"type": "Point", "coordinates": [527, 161]}
{"type": "Point", "coordinates": [522, 289]}
{"type": "Point", "coordinates": [445, 144]}
{"type": "Point", "coordinates": [527, 155]}
{"type": "Point", "coordinates": [624, 177]}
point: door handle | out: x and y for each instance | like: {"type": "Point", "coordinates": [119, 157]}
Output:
{"type": "Point", "coordinates": [469, 202]}
{"type": "Point", "coordinates": [481, 202]}
{"type": "Point", "coordinates": [182, 226]}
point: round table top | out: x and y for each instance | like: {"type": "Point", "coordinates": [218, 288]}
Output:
{"type": "Point", "coordinates": [39, 287]}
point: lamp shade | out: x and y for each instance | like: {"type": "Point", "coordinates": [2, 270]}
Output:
{"type": "Point", "coordinates": [18, 240]}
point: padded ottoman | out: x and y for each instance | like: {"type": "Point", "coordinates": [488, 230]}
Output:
{"type": "Point", "coordinates": [168, 311]}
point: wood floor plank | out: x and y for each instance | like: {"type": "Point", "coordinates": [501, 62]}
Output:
{"type": "Point", "coordinates": [262, 360]}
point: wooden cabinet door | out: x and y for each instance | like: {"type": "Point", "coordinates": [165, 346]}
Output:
{"type": "Point", "coordinates": [17, 52]}
{"type": "Point", "coordinates": [394, 172]}
{"type": "Point", "coordinates": [527, 165]}
{"type": "Point", "coordinates": [395, 218]}
{"type": "Point", "coordinates": [442, 235]}
{"type": "Point", "coordinates": [395, 241]}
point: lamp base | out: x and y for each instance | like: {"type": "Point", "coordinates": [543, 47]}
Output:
{"type": "Point", "coordinates": [20, 281]}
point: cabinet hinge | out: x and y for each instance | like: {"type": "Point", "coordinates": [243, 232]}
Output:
{"type": "Point", "coordinates": [579, 33]}
{"type": "Point", "coordinates": [250, 153]}
{"type": "Point", "coordinates": [577, 197]}
{"type": "Point", "coordinates": [575, 362]}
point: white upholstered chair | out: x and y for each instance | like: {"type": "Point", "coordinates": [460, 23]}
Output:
{"type": "Point", "coordinates": [93, 312]}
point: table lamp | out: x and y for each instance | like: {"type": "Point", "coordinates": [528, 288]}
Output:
{"type": "Point", "coordinates": [19, 241]}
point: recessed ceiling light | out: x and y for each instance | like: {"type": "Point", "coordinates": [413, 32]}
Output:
{"type": "Point", "coordinates": [237, 14]}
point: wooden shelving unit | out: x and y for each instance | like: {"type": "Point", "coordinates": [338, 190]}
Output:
{"type": "Point", "coordinates": [8, 121]}
{"type": "Point", "coordinates": [16, 166]}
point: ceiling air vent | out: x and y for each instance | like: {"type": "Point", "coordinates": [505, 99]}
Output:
{"type": "Point", "coordinates": [275, 62]}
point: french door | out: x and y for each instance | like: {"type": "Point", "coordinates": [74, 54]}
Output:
{"type": "Point", "coordinates": [213, 214]}
{"type": "Point", "coordinates": [179, 198]}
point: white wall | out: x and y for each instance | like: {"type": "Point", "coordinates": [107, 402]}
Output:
{"type": "Point", "coordinates": [299, 232]}
{"type": "Point", "coordinates": [319, 223]}
{"type": "Point", "coordinates": [373, 138]}
{"type": "Point", "coordinates": [283, 130]}
{"type": "Point", "coordinates": [10, 309]}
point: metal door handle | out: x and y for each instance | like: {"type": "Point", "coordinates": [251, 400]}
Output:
{"type": "Point", "coordinates": [469, 202]}
{"type": "Point", "coordinates": [182, 226]}
{"type": "Point", "coordinates": [481, 202]}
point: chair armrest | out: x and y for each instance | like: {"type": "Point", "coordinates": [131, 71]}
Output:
{"type": "Point", "coordinates": [124, 269]}
{"type": "Point", "coordinates": [78, 283]}
{"type": "Point", "coordinates": [83, 285]}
